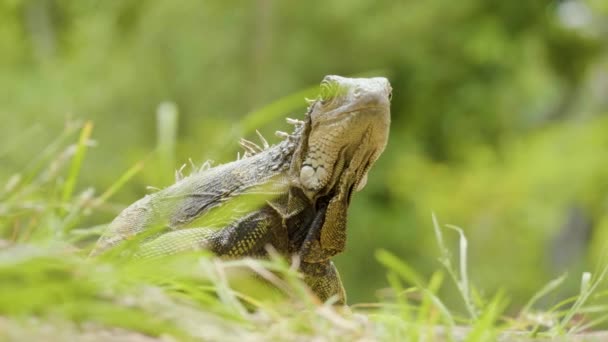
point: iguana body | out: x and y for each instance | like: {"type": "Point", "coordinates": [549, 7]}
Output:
{"type": "Point", "coordinates": [293, 196]}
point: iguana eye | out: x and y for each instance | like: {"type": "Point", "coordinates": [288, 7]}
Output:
{"type": "Point", "coordinates": [325, 92]}
{"type": "Point", "coordinates": [328, 91]}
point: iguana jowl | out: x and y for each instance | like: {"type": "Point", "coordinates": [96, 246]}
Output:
{"type": "Point", "coordinates": [293, 195]}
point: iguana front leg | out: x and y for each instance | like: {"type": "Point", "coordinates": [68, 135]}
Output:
{"type": "Point", "coordinates": [324, 280]}
{"type": "Point", "coordinates": [319, 272]}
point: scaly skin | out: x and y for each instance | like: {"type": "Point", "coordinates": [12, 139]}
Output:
{"type": "Point", "coordinates": [293, 196]}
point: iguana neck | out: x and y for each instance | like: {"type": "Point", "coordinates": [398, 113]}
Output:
{"type": "Point", "coordinates": [301, 133]}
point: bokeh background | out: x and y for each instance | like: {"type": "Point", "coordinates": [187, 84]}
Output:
{"type": "Point", "coordinates": [499, 113]}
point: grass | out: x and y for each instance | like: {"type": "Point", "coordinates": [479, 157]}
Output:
{"type": "Point", "coordinates": [49, 285]}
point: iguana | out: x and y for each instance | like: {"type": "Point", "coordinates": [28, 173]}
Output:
{"type": "Point", "coordinates": [293, 195]}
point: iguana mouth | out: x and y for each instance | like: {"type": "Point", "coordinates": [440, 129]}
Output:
{"type": "Point", "coordinates": [339, 115]}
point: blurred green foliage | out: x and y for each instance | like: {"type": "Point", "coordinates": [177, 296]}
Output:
{"type": "Point", "coordinates": [498, 108]}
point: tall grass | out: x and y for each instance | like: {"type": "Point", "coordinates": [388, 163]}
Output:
{"type": "Point", "coordinates": [49, 285]}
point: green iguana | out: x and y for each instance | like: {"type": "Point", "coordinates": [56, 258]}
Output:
{"type": "Point", "coordinates": [293, 196]}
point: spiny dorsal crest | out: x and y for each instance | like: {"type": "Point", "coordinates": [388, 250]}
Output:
{"type": "Point", "coordinates": [250, 149]}
{"type": "Point", "coordinates": [179, 174]}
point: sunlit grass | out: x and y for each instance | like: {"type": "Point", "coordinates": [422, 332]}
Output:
{"type": "Point", "coordinates": [47, 279]}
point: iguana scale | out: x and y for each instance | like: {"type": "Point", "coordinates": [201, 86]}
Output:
{"type": "Point", "coordinates": [293, 196]}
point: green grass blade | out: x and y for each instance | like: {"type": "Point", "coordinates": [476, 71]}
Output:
{"type": "Point", "coordinates": [167, 117]}
{"type": "Point", "coordinates": [68, 187]}
{"type": "Point", "coordinates": [484, 328]}
{"type": "Point", "coordinates": [122, 180]}
{"type": "Point", "coordinates": [548, 288]}
{"type": "Point", "coordinates": [393, 263]}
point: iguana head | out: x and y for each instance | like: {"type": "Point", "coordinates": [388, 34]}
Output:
{"type": "Point", "coordinates": [347, 131]}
